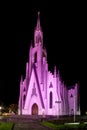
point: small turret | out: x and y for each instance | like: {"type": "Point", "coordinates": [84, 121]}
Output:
{"type": "Point", "coordinates": [21, 81]}
{"type": "Point", "coordinates": [27, 75]}
{"type": "Point", "coordinates": [58, 75]}
{"type": "Point", "coordinates": [20, 96]}
{"type": "Point", "coordinates": [55, 71]}
{"type": "Point", "coordinates": [30, 58]}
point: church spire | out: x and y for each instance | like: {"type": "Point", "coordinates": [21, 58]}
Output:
{"type": "Point", "coordinates": [38, 27]}
{"type": "Point", "coordinates": [38, 34]}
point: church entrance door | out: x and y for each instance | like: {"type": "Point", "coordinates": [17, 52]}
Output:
{"type": "Point", "coordinates": [34, 109]}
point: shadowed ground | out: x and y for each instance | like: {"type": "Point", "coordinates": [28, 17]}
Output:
{"type": "Point", "coordinates": [30, 126]}
{"type": "Point", "coordinates": [29, 123]}
{"type": "Point", "coordinates": [34, 122]}
{"type": "Point", "coordinates": [25, 123]}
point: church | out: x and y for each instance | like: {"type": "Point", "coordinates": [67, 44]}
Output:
{"type": "Point", "coordinates": [41, 91]}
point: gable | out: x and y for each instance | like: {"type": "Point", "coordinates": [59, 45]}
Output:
{"type": "Point", "coordinates": [32, 90]}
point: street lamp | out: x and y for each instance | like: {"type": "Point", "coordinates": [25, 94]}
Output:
{"type": "Point", "coordinates": [74, 108]}
{"type": "Point", "coordinates": [58, 102]}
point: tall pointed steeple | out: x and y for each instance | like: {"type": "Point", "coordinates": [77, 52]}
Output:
{"type": "Point", "coordinates": [38, 27]}
{"type": "Point", "coordinates": [38, 34]}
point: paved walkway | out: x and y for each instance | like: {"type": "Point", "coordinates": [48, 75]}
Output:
{"type": "Point", "coordinates": [34, 122]}
{"type": "Point", "coordinates": [25, 122]}
{"type": "Point", "coordinates": [34, 125]}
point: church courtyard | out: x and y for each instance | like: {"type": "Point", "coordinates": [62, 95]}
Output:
{"type": "Point", "coordinates": [47, 123]}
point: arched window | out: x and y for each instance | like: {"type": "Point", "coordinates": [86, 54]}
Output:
{"type": "Point", "coordinates": [51, 100]}
{"type": "Point", "coordinates": [24, 98]}
{"type": "Point", "coordinates": [71, 95]}
{"type": "Point", "coordinates": [35, 57]}
{"type": "Point", "coordinates": [39, 38]}
{"type": "Point", "coordinates": [36, 39]}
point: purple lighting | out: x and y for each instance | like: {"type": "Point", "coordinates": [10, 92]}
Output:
{"type": "Point", "coordinates": [44, 92]}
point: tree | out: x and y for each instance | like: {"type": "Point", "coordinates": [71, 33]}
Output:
{"type": "Point", "coordinates": [13, 108]}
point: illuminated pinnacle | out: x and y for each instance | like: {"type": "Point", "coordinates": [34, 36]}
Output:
{"type": "Point", "coordinates": [38, 21]}
{"type": "Point", "coordinates": [38, 13]}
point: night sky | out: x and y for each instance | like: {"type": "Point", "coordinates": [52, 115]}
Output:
{"type": "Point", "coordinates": [64, 32]}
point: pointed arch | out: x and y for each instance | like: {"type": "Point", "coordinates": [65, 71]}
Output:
{"type": "Point", "coordinates": [24, 97]}
{"type": "Point", "coordinates": [35, 57]}
{"type": "Point", "coordinates": [34, 109]}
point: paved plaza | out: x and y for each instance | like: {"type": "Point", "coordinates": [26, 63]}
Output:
{"type": "Point", "coordinates": [30, 126]}
{"type": "Point", "coordinates": [34, 122]}
{"type": "Point", "coordinates": [25, 122]}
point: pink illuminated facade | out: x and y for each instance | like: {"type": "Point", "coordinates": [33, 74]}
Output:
{"type": "Point", "coordinates": [42, 92]}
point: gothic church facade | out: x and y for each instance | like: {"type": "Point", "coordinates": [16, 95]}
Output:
{"type": "Point", "coordinates": [42, 92]}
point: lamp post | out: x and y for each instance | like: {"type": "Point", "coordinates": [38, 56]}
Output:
{"type": "Point", "coordinates": [74, 108]}
{"type": "Point", "coordinates": [58, 102]}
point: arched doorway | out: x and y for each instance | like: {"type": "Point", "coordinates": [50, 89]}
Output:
{"type": "Point", "coordinates": [34, 109]}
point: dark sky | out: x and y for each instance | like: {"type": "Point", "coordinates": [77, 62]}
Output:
{"type": "Point", "coordinates": [64, 32]}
